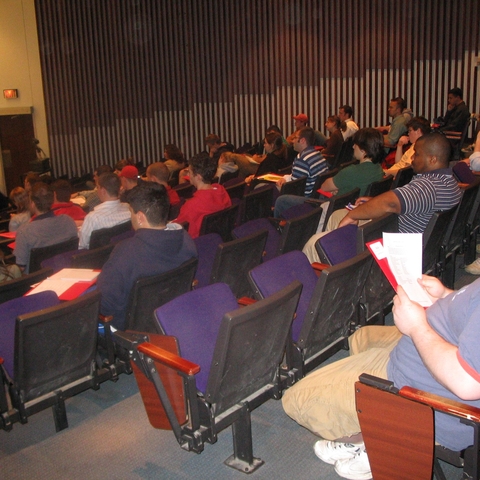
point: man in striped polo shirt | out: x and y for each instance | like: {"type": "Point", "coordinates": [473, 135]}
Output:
{"type": "Point", "coordinates": [308, 163]}
{"type": "Point", "coordinates": [432, 189]}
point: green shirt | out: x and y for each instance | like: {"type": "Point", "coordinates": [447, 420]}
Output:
{"type": "Point", "coordinates": [360, 175]}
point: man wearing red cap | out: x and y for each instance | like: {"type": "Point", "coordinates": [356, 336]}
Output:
{"type": "Point", "coordinates": [301, 120]}
{"type": "Point", "coordinates": [129, 178]}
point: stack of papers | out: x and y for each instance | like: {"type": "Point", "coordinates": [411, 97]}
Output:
{"type": "Point", "coordinates": [68, 283]}
{"type": "Point", "coordinates": [400, 258]}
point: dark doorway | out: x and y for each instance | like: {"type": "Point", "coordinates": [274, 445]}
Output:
{"type": "Point", "coordinates": [18, 148]}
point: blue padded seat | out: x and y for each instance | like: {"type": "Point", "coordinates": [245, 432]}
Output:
{"type": "Point", "coordinates": [253, 226]}
{"type": "Point", "coordinates": [339, 245]}
{"type": "Point", "coordinates": [284, 270]}
{"type": "Point", "coordinates": [9, 311]}
{"type": "Point", "coordinates": [193, 316]}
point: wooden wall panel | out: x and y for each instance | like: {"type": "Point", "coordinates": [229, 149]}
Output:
{"type": "Point", "coordinates": [124, 78]}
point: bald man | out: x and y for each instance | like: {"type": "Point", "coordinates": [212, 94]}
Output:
{"type": "Point", "coordinates": [159, 173]}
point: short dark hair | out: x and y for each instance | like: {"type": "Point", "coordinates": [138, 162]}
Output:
{"type": "Point", "coordinates": [347, 109]}
{"type": "Point", "coordinates": [63, 189]}
{"type": "Point", "coordinates": [457, 91]}
{"type": "Point", "coordinates": [174, 153]}
{"type": "Point", "coordinates": [204, 166]}
{"type": "Point", "coordinates": [104, 169]}
{"type": "Point", "coordinates": [274, 128]}
{"type": "Point", "coordinates": [111, 183]}
{"type": "Point", "coordinates": [212, 139]}
{"type": "Point", "coordinates": [419, 123]}
{"type": "Point", "coordinates": [159, 170]}
{"type": "Point", "coordinates": [32, 178]}
{"type": "Point", "coordinates": [123, 163]}
{"type": "Point", "coordinates": [437, 144]}
{"type": "Point", "coordinates": [308, 133]}
{"type": "Point", "coordinates": [371, 141]}
{"type": "Point", "coordinates": [400, 102]}
{"type": "Point", "coordinates": [42, 197]}
{"type": "Point", "coordinates": [152, 200]}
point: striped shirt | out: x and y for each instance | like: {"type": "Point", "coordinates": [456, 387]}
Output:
{"type": "Point", "coordinates": [106, 215]}
{"type": "Point", "coordinates": [425, 194]}
{"type": "Point", "coordinates": [310, 164]}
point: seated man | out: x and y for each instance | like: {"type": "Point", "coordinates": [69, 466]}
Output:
{"type": "Point", "coordinates": [88, 199]}
{"type": "Point", "coordinates": [62, 191]}
{"type": "Point", "coordinates": [416, 127]}
{"type": "Point", "coordinates": [433, 350]}
{"type": "Point", "coordinates": [398, 126]}
{"type": "Point", "coordinates": [207, 199]}
{"type": "Point", "coordinates": [432, 189]}
{"type": "Point", "coordinates": [129, 179]}
{"type": "Point", "coordinates": [158, 173]}
{"type": "Point", "coordinates": [308, 163]}
{"type": "Point", "coordinates": [457, 114]}
{"type": "Point", "coordinates": [109, 213]}
{"type": "Point", "coordinates": [345, 114]}
{"type": "Point", "coordinates": [157, 247]}
{"type": "Point", "coordinates": [44, 229]}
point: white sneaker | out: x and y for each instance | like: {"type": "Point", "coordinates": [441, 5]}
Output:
{"type": "Point", "coordinates": [474, 267]}
{"type": "Point", "coordinates": [331, 452]}
{"type": "Point", "coordinates": [356, 468]}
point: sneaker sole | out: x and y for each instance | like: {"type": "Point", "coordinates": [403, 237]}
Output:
{"type": "Point", "coordinates": [353, 476]}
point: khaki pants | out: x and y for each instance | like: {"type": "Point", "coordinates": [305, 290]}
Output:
{"type": "Point", "coordinates": [324, 401]}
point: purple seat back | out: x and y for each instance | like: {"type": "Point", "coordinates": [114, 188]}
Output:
{"type": "Point", "coordinates": [9, 311]}
{"type": "Point", "coordinates": [297, 211]}
{"type": "Point", "coordinates": [60, 261]}
{"type": "Point", "coordinates": [194, 318]}
{"type": "Point", "coordinates": [340, 244]}
{"type": "Point", "coordinates": [254, 226]}
{"type": "Point", "coordinates": [207, 246]}
{"type": "Point", "coordinates": [270, 277]}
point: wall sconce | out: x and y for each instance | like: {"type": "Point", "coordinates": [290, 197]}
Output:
{"type": "Point", "coordinates": [10, 93]}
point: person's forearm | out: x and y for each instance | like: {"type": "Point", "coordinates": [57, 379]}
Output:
{"type": "Point", "coordinates": [376, 207]}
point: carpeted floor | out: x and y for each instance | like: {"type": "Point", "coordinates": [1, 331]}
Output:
{"type": "Point", "coordinates": [109, 437]}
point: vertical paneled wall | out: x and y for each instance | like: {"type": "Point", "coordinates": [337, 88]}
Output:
{"type": "Point", "coordinates": [124, 77]}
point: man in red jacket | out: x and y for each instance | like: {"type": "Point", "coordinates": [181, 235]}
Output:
{"type": "Point", "coordinates": [207, 199]}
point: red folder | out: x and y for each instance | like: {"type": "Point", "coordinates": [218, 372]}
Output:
{"type": "Point", "coordinates": [383, 263]}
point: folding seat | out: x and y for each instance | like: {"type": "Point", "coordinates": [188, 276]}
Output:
{"type": "Point", "coordinates": [328, 309]}
{"type": "Point", "coordinates": [38, 255]}
{"type": "Point", "coordinates": [283, 236]}
{"type": "Point", "coordinates": [398, 431]}
{"type": "Point", "coordinates": [149, 293]}
{"type": "Point", "coordinates": [295, 187]}
{"type": "Point", "coordinates": [235, 189]}
{"type": "Point", "coordinates": [321, 178]}
{"type": "Point", "coordinates": [20, 286]}
{"type": "Point", "coordinates": [433, 238]}
{"type": "Point", "coordinates": [379, 187]}
{"type": "Point", "coordinates": [256, 204]}
{"type": "Point", "coordinates": [229, 262]}
{"type": "Point", "coordinates": [49, 354]}
{"type": "Point", "coordinates": [102, 236]}
{"type": "Point", "coordinates": [221, 222]}
{"type": "Point", "coordinates": [185, 190]}
{"type": "Point", "coordinates": [403, 176]}
{"type": "Point", "coordinates": [95, 258]}
{"type": "Point", "coordinates": [229, 366]}
{"type": "Point", "coordinates": [456, 236]}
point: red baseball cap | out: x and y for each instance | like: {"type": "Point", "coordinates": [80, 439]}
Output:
{"type": "Point", "coordinates": [129, 171]}
{"type": "Point", "coordinates": [301, 117]}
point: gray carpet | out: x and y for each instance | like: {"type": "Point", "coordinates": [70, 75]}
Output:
{"type": "Point", "coordinates": [109, 437]}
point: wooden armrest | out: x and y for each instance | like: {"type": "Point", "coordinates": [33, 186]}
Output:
{"type": "Point", "coordinates": [463, 185]}
{"type": "Point", "coordinates": [244, 301]}
{"type": "Point", "coordinates": [453, 134]}
{"type": "Point", "coordinates": [442, 404]}
{"type": "Point", "coordinates": [169, 359]}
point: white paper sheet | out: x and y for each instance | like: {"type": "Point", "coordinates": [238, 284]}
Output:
{"type": "Point", "coordinates": [404, 254]}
